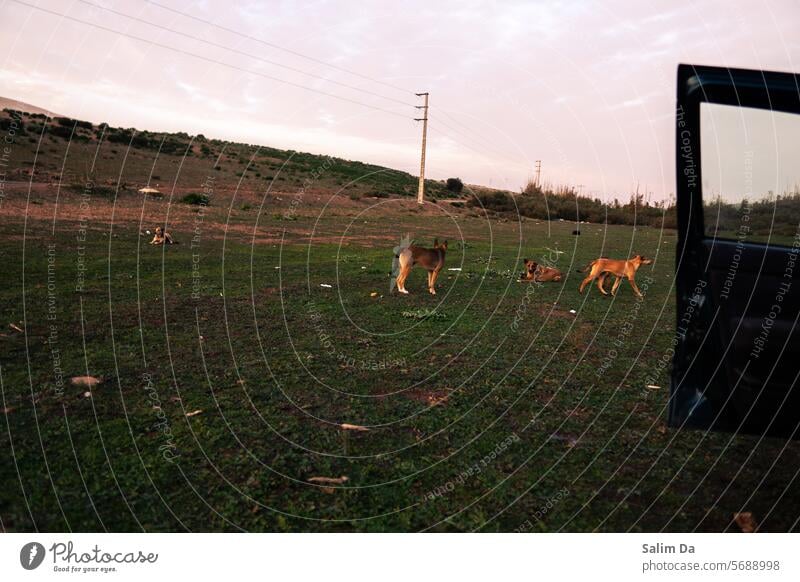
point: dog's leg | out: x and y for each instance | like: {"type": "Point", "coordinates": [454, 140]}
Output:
{"type": "Point", "coordinates": [401, 279]}
{"type": "Point", "coordinates": [601, 281]}
{"type": "Point", "coordinates": [632, 281]}
{"type": "Point", "coordinates": [585, 282]}
{"type": "Point", "coordinates": [616, 285]}
{"type": "Point", "coordinates": [406, 261]}
{"type": "Point", "coordinates": [434, 275]}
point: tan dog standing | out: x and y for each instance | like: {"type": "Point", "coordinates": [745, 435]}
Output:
{"type": "Point", "coordinates": [539, 273]}
{"type": "Point", "coordinates": [161, 237]}
{"type": "Point", "coordinates": [430, 259]}
{"type": "Point", "coordinates": [600, 268]}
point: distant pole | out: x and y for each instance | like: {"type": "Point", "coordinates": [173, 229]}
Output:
{"type": "Point", "coordinates": [580, 188]}
{"type": "Point", "coordinates": [424, 120]}
{"type": "Point", "coordinates": [538, 172]}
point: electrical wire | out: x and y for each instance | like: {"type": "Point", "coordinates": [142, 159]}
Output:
{"type": "Point", "coordinates": [240, 52]}
{"type": "Point", "coordinates": [276, 46]}
{"type": "Point", "coordinates": [208, 59]}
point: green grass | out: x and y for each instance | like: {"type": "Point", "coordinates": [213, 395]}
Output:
{"type": "Point", "coordinates": [477, 419]}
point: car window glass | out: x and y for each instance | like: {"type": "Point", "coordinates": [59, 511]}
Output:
{"type": "Point", "coordinates": [751, 173]}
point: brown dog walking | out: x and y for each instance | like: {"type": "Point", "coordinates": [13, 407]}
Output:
{"type": "Point", "coordinates": [600, 268]}
{"type": "Point", "coordinates": [430, 259]}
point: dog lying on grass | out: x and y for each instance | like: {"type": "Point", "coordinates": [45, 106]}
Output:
{"type": "Point", "coordinates": [430, 259]}
{"type": "Point", "coordinates": [539, 273]}
{"type": "Point", "coordinates": [162, 237]}
{"type": "Point", "coordinates": [599, 269]}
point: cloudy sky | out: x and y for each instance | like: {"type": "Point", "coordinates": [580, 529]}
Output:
{"type": "Point", "coordinates": [588, 88]}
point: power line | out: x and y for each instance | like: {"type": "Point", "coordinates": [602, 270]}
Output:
{"type": "Point", "coordinates": [475, 135]}
{"type": "Point", "coordinates": [276, 46]}
{"type": "Point", "coordinates": [208, 59]}
{"type": "Point", "coordinates": [315, 60]}
{"type": "Point", "coordinates": [435, 126]}
{"type": "Point", "coordinates": [469, 137]}
{"type": "Point", "coordinates": [240, 52]}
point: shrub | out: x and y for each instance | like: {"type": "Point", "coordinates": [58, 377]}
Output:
{"type": "Point", "coordinates": [69, 122]}
{"type": "Point", "coordinates": [196, 198]}
{"type": "Point", "coordinates": [61, 131]}
{"type": "Point", "coordinates": [454, 185]}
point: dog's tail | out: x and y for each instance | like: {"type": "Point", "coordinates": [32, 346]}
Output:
{"type": "Point", "coordinates": [395, 265]}
{"type": "Point", "coordinates": [587, 267]}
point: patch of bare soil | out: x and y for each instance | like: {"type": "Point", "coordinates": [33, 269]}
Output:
{"type": "Point", "coordinates": [283, 216]}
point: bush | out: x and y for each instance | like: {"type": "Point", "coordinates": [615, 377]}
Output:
{"type": "Point", "coordinates": [196, 198]}
{"type": "Point", "coordinates": [69, 122]}
{"type": "Point", "coordinates": [454, 185]}
{"type": "Point", "coordinates": [61, 131]}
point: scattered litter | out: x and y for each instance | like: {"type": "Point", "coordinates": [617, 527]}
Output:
{"type": "Point", "coordinates": [662, 429]}
{"type": "Point", "coordinates": [88, 381]}
{"type": "Point", "coordinates": [424, 313]}
{"type": "Point", "coordinates": [373, 294]}
{"type": "Point", "coordinates": [356, 427]}
{"type": "Point", "coordinates": [193, 413]}
{"type": "Point", "coordinates": [572, 311]}
{"type": "Point", "coordinates": [745, 521]}
{"type": "Point", "coordinates": [653, 387]}
{"type": "Point", "coordinates": [363, 267]}
{"type": "Point", "coordinates": [277, 267]}
{"type": "Point", "coordinates": [569, 440]}
{"type": "Point", "coordinates": [330, 480]}
{"type": "Point", "coordinates": [437, 400]}
{"type": "Point", "coordinates": [87, 394]}
{"type": "Point", "coordinates": [325, 285]}
{"type": "Point", "coordinates": [15, 327]}
{"type": "Point", "coordinates": [147, 232]}
{"type": "Point", "coordinates": [454, 269]}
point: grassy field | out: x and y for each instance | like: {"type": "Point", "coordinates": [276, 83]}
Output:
{"type": "Point", "coordinates": [513, 407]}
{"type": "Point", "coordinates": [228, 363]}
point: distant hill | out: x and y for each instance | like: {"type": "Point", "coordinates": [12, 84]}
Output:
{"type": "Point", "coordinates": [53, 147]}
{"type": "Point", "coordinates": [6, 103]}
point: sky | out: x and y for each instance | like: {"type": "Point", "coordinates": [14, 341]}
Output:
{"type": "Point", "coordinates": [588, 88]}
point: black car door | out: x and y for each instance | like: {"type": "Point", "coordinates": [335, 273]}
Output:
{"type": "Point", "coordinates": [737, 343]}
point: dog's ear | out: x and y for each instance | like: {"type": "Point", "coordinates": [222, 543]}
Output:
{"type": "Point", "coordinates": [444, 245]}
{"type": "Point", "coordinates": [436, 243]}
{"type": "Point", "coordinates": [524, 261]}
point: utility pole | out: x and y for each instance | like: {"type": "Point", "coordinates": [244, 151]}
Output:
{"type": "Point", "coordinates": [580, 188]}
{"type": "Point", "coordinates": [424, 120]}
{"type": "Point", "coordinates": [538, 172]}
